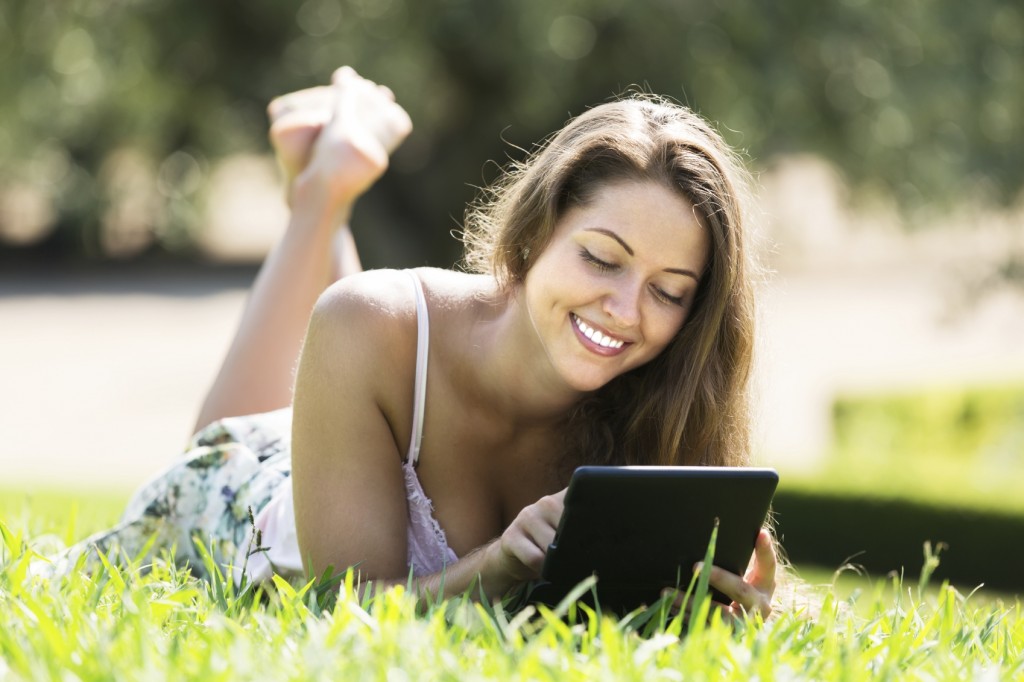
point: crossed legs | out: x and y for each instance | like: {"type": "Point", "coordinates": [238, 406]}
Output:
{"type": "Point", "coordinates": [332, 142]}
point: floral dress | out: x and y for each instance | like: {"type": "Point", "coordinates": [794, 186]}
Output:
{"type": "Point", "coordinates": [230, 469]}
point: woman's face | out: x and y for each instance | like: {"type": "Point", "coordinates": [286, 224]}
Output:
{"type": "Point", "coordinates": [615, 283]}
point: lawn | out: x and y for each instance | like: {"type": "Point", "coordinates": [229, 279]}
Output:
{"type": "Point", "coordinates": [118, 624]}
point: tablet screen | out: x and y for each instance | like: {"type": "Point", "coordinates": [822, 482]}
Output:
{"type": "Point", "coordinates": [645, 527]}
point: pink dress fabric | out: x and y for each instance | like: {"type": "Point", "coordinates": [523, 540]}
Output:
{"type": "Point", "coordinates": [428, 546]}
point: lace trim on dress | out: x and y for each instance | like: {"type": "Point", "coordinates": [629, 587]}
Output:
{"type": "Point", "coordinates": [428, 545]}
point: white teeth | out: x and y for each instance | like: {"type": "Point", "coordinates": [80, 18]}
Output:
{"type": "Point", "coordinates": [596, 336]}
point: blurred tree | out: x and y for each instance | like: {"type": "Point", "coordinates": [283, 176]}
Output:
{"type": "Point", "coordinates": [114, 110]}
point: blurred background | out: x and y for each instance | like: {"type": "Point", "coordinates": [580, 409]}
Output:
{"type": "Point", "coordinates": [138, 195]}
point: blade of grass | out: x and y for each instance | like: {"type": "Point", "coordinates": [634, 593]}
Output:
{"type": "Point", "coordinates": [701, 599]}
{"type": "Point", "coordinates": [584, 586]}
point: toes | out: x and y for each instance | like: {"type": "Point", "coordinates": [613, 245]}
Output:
{"type": "Point", "coordinates": [318, 98]}
{"type": "Point", "coordinates": [343, 74]}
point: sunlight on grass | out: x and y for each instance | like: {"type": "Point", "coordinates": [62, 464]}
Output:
{"type": "Point", "coordinates": [123, 622]}
{"type": "Point", "coordinates": [70, 514]}
{"type": "Point", "coordinates": [860, 588]}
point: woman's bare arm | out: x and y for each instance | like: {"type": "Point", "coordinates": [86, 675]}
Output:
{"type": "Point", "coordinates": [349, 488]}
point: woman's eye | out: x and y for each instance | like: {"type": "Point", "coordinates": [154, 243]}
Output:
{"type": "Point", "coordinates": [595, 261]}
{"type": "Point", "coordinates": [668, 298]}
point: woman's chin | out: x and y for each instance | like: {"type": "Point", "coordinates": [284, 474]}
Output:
{"type": "Point", "coordinates": [588, 381]}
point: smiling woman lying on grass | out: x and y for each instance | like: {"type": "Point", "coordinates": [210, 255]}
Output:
{"type": "Point", "coordinates": [607, 318]}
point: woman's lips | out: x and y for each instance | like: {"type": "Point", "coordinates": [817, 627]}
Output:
{"type": "Point", "coordinates": [596, 341]}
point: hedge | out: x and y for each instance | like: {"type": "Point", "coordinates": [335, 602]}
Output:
{"type": "Point", "coordinates": [884, 534]}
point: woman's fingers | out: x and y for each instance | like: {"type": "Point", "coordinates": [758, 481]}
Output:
{"type": "Point", "coordinates": [526, 555]}
{"type": "Point", "coordinates": [538, 523]}
{"type": "Point", "coordinates": [753, 592]}
{"type": "Point", "coordinates": [746, 596]}
{"type": "Point", "coordinates": [761, 573]}
{"type": "Point", "coordinates": [525, 542]}
{"type": "Point", "coordinates": [728, 613]}
{"type": "Point", "coordinates": [548, 511]}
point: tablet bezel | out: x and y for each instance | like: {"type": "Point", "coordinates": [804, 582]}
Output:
{"type": "Point", "coordinates": [610, 524]}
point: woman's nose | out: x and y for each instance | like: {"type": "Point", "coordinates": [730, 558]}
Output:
{"type": "Point", "coordinates": [623, 306]}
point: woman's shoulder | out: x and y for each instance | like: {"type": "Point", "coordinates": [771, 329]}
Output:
{"type": "Point", "coordinates": [451, 291]}
{"type": "Point", "coordinates": [390, 292]}
{"type": "Point", "coordinates": [362, 334]}
{"type": "Point", "coordinates": [383, 302]}
{"type": "Point", "coordinates": [378, 293]}
{"type": "Point", "coordinates": [364, 331]}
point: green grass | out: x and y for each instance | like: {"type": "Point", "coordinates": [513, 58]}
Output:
{"type": "Point", "coordinates": [119, 624]}
{"type": "Point", "coordinates": [71, 514]}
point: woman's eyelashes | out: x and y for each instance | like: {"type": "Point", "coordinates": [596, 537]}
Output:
{"type": "Point", "coordinates": [601, 265]}
{"type": "Point", "coordinates": [605, 266]}
{"type": "Point", "coordinates": [668, 298]}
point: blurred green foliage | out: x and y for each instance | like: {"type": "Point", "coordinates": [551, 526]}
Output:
{"type": "Point", "coordinates": [942, 465]}
{"type": "Point", "coordinates": [954, 446]}
{"type": "Point", "coordinates": [918, 100]}
{"type": "Point", "coordinates": [973, 424]}
{"type": "Point", "coordinates": [885, 534]}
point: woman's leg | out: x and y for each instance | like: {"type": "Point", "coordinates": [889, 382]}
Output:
{"type": "Point", "coordinates": [329, 156]}
{"type": "Point", "coordinates": [256, 375]}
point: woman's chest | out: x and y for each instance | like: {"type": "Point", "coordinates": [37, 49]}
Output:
{"type": "Point", "coordinates": [479, 476]}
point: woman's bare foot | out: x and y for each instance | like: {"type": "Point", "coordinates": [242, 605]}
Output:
{"type": "Point", "coordinates": [337, 138]}
{"type": "Point", "coordinates": [333, 143]}
{"type": "Point", "coordinates": [295, 122]}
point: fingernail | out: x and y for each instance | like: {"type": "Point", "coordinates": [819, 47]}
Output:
{"type": "Point", "coordinates": [698, 566]}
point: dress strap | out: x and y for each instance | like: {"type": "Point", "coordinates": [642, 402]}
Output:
{"type": "Point", "coordinates": [422, 350]}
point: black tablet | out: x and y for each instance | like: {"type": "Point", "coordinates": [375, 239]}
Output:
{"type": "Point", "coordinates": [640, 529]}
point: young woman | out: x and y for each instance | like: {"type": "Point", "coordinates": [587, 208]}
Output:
{"type": "Point", "coordinates": [606, 318]}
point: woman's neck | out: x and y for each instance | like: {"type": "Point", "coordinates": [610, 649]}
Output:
{"type": "Point", "coordinates": [505, 366]}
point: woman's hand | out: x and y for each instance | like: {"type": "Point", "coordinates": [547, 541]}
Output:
{"type": "Point", "coordinates": [518, 555]}
{"type": "Point", "coordinates": [333, 141]}
{"type": "Point", "coordinates": [753, 592]}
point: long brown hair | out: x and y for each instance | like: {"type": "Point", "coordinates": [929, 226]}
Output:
{"type": "Point", "coordinates": [689, 405]}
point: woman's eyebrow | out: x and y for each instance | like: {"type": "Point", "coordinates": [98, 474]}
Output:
{"type": "Point", "coordinates": [629, 250]}
{"type": "Point", "coordinates": [620, 240]}
{"type": "Point", "coordinates": [683, 271]}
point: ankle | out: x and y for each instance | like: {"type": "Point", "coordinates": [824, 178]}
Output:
{"type": "Point", "coordinates": [312, 204]}
{"type": "Point", "coordinates": [344, 256]}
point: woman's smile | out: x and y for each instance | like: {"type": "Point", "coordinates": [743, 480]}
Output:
{"type": "Point", "coordinates": [614, 284]}
{"type": "Point", "coordinates": [595, 340]}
